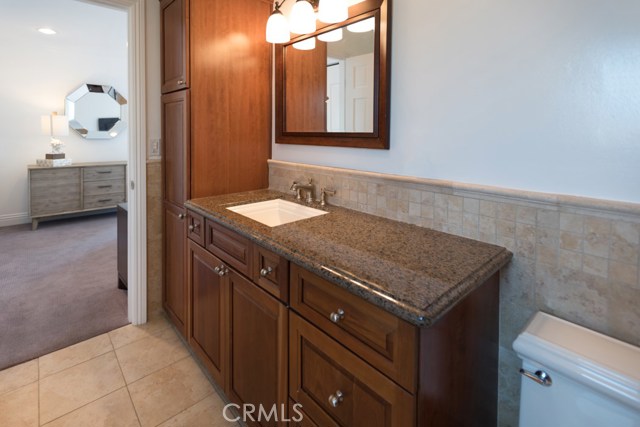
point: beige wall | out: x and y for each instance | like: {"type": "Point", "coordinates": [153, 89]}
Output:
{"type": "Point", "coordinates": [576, 258]}
{"type": "Point", "coordinates": [154, 189]}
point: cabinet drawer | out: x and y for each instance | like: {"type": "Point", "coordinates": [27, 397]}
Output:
{"type": "Point", "coordinates": [94, 188]}
{"type": "Point", "coordinates": [229, 247]}
{"type": "Point", "coordinates": [271, 273]}
{"type": "Point", "coordinates": [195, 227]}
{"type": "Point", "coordinates": [99, 173]}
{"type": "Point", "coordinates": [322, 370]}
{"type": "Point", "coordinates": [382, 339]}
{"type": "Point", "coordinates": [103, 200]}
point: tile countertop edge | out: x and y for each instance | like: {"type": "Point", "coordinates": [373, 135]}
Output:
{"type": "Point", "coordinates": [419, 317]}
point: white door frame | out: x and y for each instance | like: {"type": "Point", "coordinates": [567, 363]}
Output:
{"type": "Point", "coordinates": [137, 166]}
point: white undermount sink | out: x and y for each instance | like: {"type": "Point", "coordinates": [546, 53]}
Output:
{"type": "Point", "coordinates": [276, 212]}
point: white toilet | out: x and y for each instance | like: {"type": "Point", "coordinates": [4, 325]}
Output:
{"type": "Point", "coordinates": [575, 377]}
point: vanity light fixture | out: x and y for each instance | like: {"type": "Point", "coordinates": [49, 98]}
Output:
{"type": "Point", "coordinates": [302, 19]}
{"type": "Point", "coordinates": [333, 11]}
{"type": "Point", "coordinates": [331, 36]}
{"type": "Point", "coordinates": [362, 26]}
{"type": "Point", "coordinates": [47, 31]}
{"type": "Point", "coordinates": [277, 26]}
{"type": "Point", "coordinates": [306, 44]}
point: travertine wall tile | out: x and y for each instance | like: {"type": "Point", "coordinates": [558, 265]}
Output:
{"type": "Point", "coordinates": [578, 260]}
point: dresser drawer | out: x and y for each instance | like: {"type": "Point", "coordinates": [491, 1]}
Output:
{"type": "Point", "coordinates": [271, 273]}
{"type": "Point", "coordinates": [103, 200]}
{"type": "Point", "coordinates": [195, 227]}
{"type": "Point", "coordinates": [99, 173]}
{"type": "Point", "coordinates": [229, 246]}
{"type": "Point", "coordinates": [48, 177]}
{"type": "Point", "coordinates": [94, 188]}
{"type": "Point", "coordinates": [382, 339]}
{"type": "Point", "coordinates": [57, 202]}
{"type": "Point", "coordinates": [337, 388]}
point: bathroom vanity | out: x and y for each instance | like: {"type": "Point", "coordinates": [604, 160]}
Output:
{"type": "Point", "coordinates": [362, 320]}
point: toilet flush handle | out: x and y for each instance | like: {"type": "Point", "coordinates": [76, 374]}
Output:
{"type": "Point", "coordinates": [541, 377]}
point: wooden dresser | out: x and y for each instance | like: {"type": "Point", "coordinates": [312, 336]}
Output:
{"type": "Point", "coordinates": [79, 188]}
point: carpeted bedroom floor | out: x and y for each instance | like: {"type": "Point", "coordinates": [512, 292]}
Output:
{"type": "Point", "coordinates": [58, 286]}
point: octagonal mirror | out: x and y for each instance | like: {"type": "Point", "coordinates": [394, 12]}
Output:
{"type": "Point", "coordinates": [96, 111]}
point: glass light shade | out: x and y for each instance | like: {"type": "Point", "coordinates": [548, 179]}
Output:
{"type": "Point", "coordinates": [277, 28]}
{"type": "Point", "coordinates": [331, 36]}
{"type": "Point", "coordinates": [332, 11]}
{"type": "Point", "coordinates": [363, 26]}
{"type": "Point", "coordinates": [54, 125]}
{"type": "Point", "coordinates": [59, 126]}
{"type": "Point", "coordinates": [307, 44]}
{"type": "Point", "coordinates": [302, 18]}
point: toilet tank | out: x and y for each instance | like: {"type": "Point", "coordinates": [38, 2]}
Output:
{"type": "Point", "coordinates": [593, 380]}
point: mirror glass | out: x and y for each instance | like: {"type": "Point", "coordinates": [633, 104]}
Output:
{"type": "Point", "coordinates": [96, 111]}
{"type": "Point", "coordinates": [331, 88]}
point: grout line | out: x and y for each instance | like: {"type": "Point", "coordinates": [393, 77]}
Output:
{"type": "Point", "coordinates": [80, 407]}
{"type": "Point", "coordinates": [126, 386]}
{"type": "Point", "coordinates": [185, 410]}
{"type": "Point", "coordinates": [72, 366]}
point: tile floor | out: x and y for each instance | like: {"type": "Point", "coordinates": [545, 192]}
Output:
{"type": "Point", "coordinates": [132, 376]}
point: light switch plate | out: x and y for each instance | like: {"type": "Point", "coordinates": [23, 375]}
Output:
{"type": "Point", "coordinates": [154, 148]}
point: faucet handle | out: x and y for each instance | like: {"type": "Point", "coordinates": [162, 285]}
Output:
{"type": "Point", "coordinates": [323, 195]}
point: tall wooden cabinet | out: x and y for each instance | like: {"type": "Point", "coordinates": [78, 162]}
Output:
{"type": "Point", "coordinates": [216, 113]}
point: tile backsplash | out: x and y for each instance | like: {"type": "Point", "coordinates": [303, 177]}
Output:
{"type": "Point", "coordinates": [576, 258]}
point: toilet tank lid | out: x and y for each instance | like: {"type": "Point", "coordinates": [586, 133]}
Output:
{"type": "Point", "coordinates": [586, 356]}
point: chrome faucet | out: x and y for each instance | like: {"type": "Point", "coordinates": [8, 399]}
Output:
{"type": "Point", "coordinates": [308, 187]}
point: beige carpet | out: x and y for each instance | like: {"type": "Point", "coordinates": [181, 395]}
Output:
{"type": "Point", "coordinates": [58, 286]}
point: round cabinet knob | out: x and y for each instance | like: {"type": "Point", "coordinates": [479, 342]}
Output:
{"type": "Point", "coordinates": [266, 271]}
{"type": "Point", "coordinates": [337, 315]}
{"type": "Point", "coordinates": [181, 216]}
{"type": "Point", "coordinates": [181, 82]}
{"type": "Point", "coordinates": [191, 227]}
{"type": "Point", "coordinates": [222, 270]}
{"type": "Point", "coordinates": [336, 399]}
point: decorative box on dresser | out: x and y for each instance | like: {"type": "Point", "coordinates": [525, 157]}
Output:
{"type": "Point", "coordinates": [216, 114]}
{"type": "Point", "coordinates": [75, 189]}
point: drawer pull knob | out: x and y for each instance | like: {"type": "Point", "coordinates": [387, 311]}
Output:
{"type": "Point", "coordinates": [105, 186]}
{"type": "Point", "coordinates": [266, 271]}
{"type": "Point", "coordinates": [337, 316]}
{"type": "Point", "coordinates": [104, 200]}
{"type": "Point", "coordinates": [221, 270]}
{"type": "Point", "coordinates": [103, 171]}
{"type": "Point", "coordinates": [336, 399]}
{"type": "Point", "coordinates": [194, 227]}
{"type": "Point", "coordinates": [181, 216]}
{"type": "Point", "coordinates": [181, 82]}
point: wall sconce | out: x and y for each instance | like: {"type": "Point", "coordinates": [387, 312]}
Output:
{"type": "Point", "coordinates": [303, 18]}
{"type": "Point", "coordinates": [54, 125]}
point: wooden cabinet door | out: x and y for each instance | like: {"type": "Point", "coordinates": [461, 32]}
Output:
{"type": "Point", "coordinates": [258, 349]}
{"type": "Point", "coordinates": [207, 318]}
{"type": "Point", "coordinates": [175, 44]}
{"type": "Point", "coordinates": [230, 96]}
{"type": "Point", "coordinates": [175, 147]}
{"type": "Point", "coordinates": [174, 295]}
{"type": "Point", "coordinates": [337, 388]}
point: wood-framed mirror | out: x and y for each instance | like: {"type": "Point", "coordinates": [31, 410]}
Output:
{"type": "Point", "coordinates": [337, 93]}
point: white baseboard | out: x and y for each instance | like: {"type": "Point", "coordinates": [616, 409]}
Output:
{"type": "Point", "coordinates": [14, 219]}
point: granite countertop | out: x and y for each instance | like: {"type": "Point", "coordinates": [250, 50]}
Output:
{"type": "Point", "coordinates": [414, 272]}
